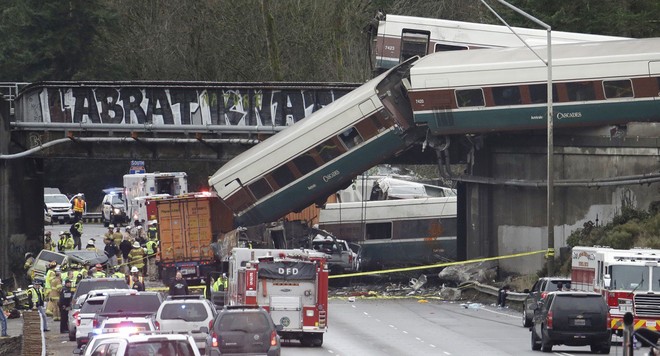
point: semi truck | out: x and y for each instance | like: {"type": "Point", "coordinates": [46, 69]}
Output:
{"type": "Point", "coordinates": [291, 284]}
{"type": "Point", "coordinates": [625, 279]}
{"type": "Point", "coordinates": [186, 230]}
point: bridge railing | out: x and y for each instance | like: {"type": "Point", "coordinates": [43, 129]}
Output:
{"type": "Point", "coordinates": [9, 91]}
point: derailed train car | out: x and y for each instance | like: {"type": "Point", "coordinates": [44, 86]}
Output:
{"type": "Point", "coordinates": [321, 154]}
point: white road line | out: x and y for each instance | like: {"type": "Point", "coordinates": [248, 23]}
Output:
{"type": "Point", "coordinates": [433, 346]}
{"type": "Point", "coordinates": [378, 320]}
{"type": "Point", "coordinates": [446, 353]}
{"type": "Point", "coordinates": [393, 327]}
{"type": "Point", "coordinates": [500, 313]}
{"type": "Point", "coordinates": [405, 332]}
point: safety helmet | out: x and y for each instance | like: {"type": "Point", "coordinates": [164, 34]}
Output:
{"type": "Point", "coordinates": [31, 286]}
{"type": "Point", "coordinates": [90, 242]}
{"type": "Point", "coordinates": [136, 244]}
{"type": "Point", "coordinates": [153, 222]}
{"type": "Point", "coordinates": [134, 269]}
{"type": "Point", "coordinates": [224, 275]}
{"type": "Point", "coordinates": [62, 233]}
{"type": "Point", "coordinates": [98, 266]}
{"type": "Point", "coordinates": [58, 269]}
{"type": "Point", "coordinates": [28, 254]}
{"type": "Point", "coordinates": [111, 226]}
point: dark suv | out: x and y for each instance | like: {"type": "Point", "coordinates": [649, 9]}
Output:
{"type": "Point", "coordinates": [573, 319]}
{"type": "Point", "coordinates": [243, 330]}
{"type": "Point", "coordinates": [540, 289]}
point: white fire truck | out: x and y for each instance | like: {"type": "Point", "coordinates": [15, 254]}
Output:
{"type": "Point", "coordinates": [291, 284]}
{"type": "Point", "coordinates": [625, 278]}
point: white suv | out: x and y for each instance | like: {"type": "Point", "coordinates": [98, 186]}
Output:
{"type": "Point", "coordinates": [143, 344]}
{"type": "Point", "coordinates": [58, 208]}
{"type": "Point", "coordinates": [189, 313]}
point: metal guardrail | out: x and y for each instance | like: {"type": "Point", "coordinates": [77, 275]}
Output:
{"type": "Point", "coordinates": [490, 290]}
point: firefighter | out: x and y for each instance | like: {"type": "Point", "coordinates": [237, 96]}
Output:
{"type": "Point", "coordinates": [136, 280]}
{"type": "Point", "coordinates": [54, 294]}
{"type": "Point", "coordinates": [76, 231]}
{"type": "Point", "coordinates": [48, 277]}
{"type": "Point", "coordinates": [65, 243]}
{"type": "Point", "coordinates": [48, 242]}
{"type": "Point", "coordinates": [118, 273]}
{"type": "Point", "coordinates": [136, 256]}
{"type": "Point", "coordinates": [29, 262]}
{"type": "Point", "coordinates": [65, 305]}
{"type": "Point", "coordinates": [220, 284]}
{"type": "Point", "coordinates": [91, 246]}
{"type": "Point", "coordinates": [78, 208]}
{"type": "Point", "coordinates": [98, 271]}
{"type": "Point", "coordinates": [109, 235]}
{"type": "Point", "coordinates": [152, 232]}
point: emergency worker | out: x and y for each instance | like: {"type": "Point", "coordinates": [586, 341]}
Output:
{"type": "Point", "coordinates": [76, 231]}
{"type": "Point", "coordinates": [50, 274]}
{"type": "Point", "coordinates": [152, 249]}
{"type": "Point", "coordinates": [29, 262]}
{"type": "Point", "coordinates": [78, 207]}
{"type": "Point", "coordinates": [136, 256]}
{"type": "Point", "coordinates": [135, 280]}
{"type": "Point", "coordinates": [54, 294]}
{"type": "Point", "coordinates": [220, 284]}
{"type": "Point", "coordinates": [48, 242]}
{"type": "Point", "coordinates": [118, 274]}
{"type": "Point", "coordinates": [152, 232]}
{"type": "Point", "coordinates": [65, 305]}
{"type": "Point", "coordinates": [38, 300]}
{"type": "Point", "coordinates": [98, 271]}
{"type": "Point", "coordinates": [91, 246]}
{"type": "Point", "coordinates": [65, 243]}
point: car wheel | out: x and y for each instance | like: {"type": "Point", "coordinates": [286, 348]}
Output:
{"type": "Point", "coordinates": [526, 321]}
{"type": "Point", "coordinates": [536, 344]}
{"type": "Point", "coordinates": [546, 346]}
{"type": "Point", "coordinates": [72, 334]}
{"type": "Point", "coordinates": [317, 341]}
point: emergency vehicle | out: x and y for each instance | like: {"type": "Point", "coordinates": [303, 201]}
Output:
{"type": "Point", "coordinates": [625, 279]}
{"type": "Point", "coordinates": [140, 187]}
{"type": "Point", "coordinates": [291, 284]}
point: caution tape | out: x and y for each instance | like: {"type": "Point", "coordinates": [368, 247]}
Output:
{"type": "Point", "coordinates": [437, 265]}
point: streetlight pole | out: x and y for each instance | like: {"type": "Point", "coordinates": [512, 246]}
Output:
{"type": "Point", "coordinates": [550, 254]}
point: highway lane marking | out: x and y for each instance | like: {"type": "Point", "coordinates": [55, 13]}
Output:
{"type": "Point", "coordinates": [446, 353]}
{"type": "Point", "coordinates": [433, 346]}
{"type": "Point", "coordinates": [500, 313]}
{"type": "Point", "coordinates": [405, 332]}
{"type": "Point", "coordinates": [393, 327]}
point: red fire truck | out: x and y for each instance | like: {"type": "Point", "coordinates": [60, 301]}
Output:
{"type": "Point", "coordinates": [625, 278]}
{"type": "Point", "coordinates": [291, 284]}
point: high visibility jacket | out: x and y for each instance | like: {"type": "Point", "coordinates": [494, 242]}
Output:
{"type": "Point", "coordinates": [38, 297]}
{"type": "Point", "coordinates": [152, 233]}
{"type": "Point", "coordinates": [49, 245]}
{"type": "Point", "coordinates": [78, 205]}
{"type": "Point", "coordinates": [79, 227]}
{"type": "Point", "coordinates": [55, 288]}
{"type": "Point", "coordinates": [119, 275]}
{"type": "Point", "coordinates": [98, 274]}
{"type": "Point", "coordinates": [28, 263]}
{"type": "Point", "coordinates": [50, 274]}
{"type": "Point", "coordinates": [65, 243]}
{"type": "Point", "coordinates": [220, 282]}
{"type": "Point", "coordinates": [151, 247]}
{"type": "Point", "coordinates": [132, 279]}
{"type": "Point", "coordinates": [136, 257]}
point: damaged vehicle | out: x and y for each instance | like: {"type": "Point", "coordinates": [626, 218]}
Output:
{"type": "Point", "coordinates": [342, 256]}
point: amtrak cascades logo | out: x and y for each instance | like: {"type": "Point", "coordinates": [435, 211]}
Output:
{"type": "Point", "coordinates": [569, 115]}
{"type": "Point", "coordinates": [327, 177]}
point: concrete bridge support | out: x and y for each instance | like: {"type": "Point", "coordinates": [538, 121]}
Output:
{"type": "Point", "coordinates": [21, 206]}
{"type": "Point", "coordinates": [506, 193]}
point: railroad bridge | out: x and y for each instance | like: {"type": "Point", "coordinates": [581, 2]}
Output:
{"type": "Point", "coordinates": [596, 169]}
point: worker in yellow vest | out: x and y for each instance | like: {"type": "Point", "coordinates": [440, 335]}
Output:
{"type": "Point", "coordinates": [136, 257]}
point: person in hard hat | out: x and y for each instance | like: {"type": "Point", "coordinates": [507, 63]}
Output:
{"type": "Point", "coordinates": [66, 242]}
{"type": "Point", "coordinates": [118, 238]}
{"type": "Point", "coordinates": [48, 241]}
{"type": "Point", "coordinates": [79, 205]}
{"type": "Point", "coordinates": [220, 284]}
{"type": "Point", "coordinates": [152, 250]}
{"type": "Point", "coordinates": [110, 234]}
{"type": "Point", "coordinates": [3, 318]}
{"type": "Point", "coordinates": [136, 257]}
{"type": "Point", "coordinates": [91, 246]}
{"type": "Point", "coordinates": [119, 274]}
{"type": "Point", "coordinates": [98, 271]}
{"type": "Point", "coordinates": [76, 231]}
{"type": "Point", "coordinates": [54, 294]}
{"type": "Point", "coordinates": [29, 262]}
{"type": "Point", "coordinates": [136, 280]}
{"type": "Point", "coordinates": [38, 301]}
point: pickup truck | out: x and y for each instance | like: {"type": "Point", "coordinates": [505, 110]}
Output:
{"type": "Point", "coordinates": [341, 257]}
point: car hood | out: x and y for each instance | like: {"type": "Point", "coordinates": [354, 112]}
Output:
{"type": "Point", "coordinates": [58, 205]}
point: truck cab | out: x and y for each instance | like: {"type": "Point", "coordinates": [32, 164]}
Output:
{"type": "Point", "coordinates": [341, 257]}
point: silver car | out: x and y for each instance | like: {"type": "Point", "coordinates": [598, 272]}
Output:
{"type": "Point", "coordinates": [187, 314]}
{"type": "Point", "coordinates": [78, 303]}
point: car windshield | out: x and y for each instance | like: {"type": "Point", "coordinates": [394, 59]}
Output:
{"type": "Point", "coordinates": [630, 277]}
{"type": "Point", "coordinates": [160, 347]}
{"type": "Point", "coordinates": [184, 311]}
{"type": "Point", "coordinates": [116, 200]}
{"type": "Point", "coordinates": [92, 306]}
{"type": "Point", "coordinates": [50, 256]}
{"type": "Point", "coordinates": [85, 286]}
{"type": "Point", "coordinates": [148, 303]}
{"type": "Point", "coordinates": [60, 199]}
{"type": "Point", "coordinates": [247, 322]}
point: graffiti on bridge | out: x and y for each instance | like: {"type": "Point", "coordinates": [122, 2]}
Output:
{"type": "Point", "coordinates": [176, 106]}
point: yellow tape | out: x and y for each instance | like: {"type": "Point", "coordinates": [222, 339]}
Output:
{"type": "Point", "coordinates": [437, 265]}
{"type": "Point", "coordinates": [550, 253]}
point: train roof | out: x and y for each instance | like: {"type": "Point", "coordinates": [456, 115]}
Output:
{"type": "Point", "coordinates": [309, 127]}
{"type": "Point", "coordinates": [570, 61]}
{"type": "Point", "coordinates": [480, 34]}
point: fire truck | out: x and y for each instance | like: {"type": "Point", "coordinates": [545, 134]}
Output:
{"type": "Point", "coordinates": [625, 279]}
{"type": "Point", "coordinates": [291, 284]}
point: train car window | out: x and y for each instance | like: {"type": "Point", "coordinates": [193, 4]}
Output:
{"type": "Point", "coordinates": [469, 97]}
{"type": "Point", "coordinates": [509, 95]}
{"type": "Point", "coordinates": [439, 47]}
{"type": "Point", "coordinates": [283, 176]}
{"type": "Point", "coordinates": [329, 150]}
{"type": "Point", "coordinates": [379, 231]}
{"type": "Point", "coordinates": [618, 89]}
{"type": "Point", "coordinates": [305, 163]}
{"type": "Point", "coordinates": [351, 138]}
{"type": "Point", "coordinates": [539, 94]}
{"type": "Point", "coordinates": [580, 91]}
{"type": "Point", "coordinates": [260, 188]}
{"type": "Point", "coordinates": [414, 43]}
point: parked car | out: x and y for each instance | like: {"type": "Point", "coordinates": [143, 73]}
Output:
{"type": "Point", "coordinates": [235, 328]}
{"type": "Point", "coordinates": [114, 207]}
{"type": "Point", "coordinates": [74, 313]}
{"type": "Point", "coordinates": [573, 319]}
{"type": "Point", "coordinates": [539, 291]}
{"type": "Point", "coordinates": [89, 284]}
{"type": "Point", "coordinates": [143, 344]}
{"type": "Point", "coordinates": [58, 208]}
{"type": "Point", "coordinates": [85, 318]}
{"type": "Point", "coordinates": [125, 324]}
{"type": "Point", "coordinates": [116, 305]}
{"type": "Point", "coordinates": [186, 313]}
